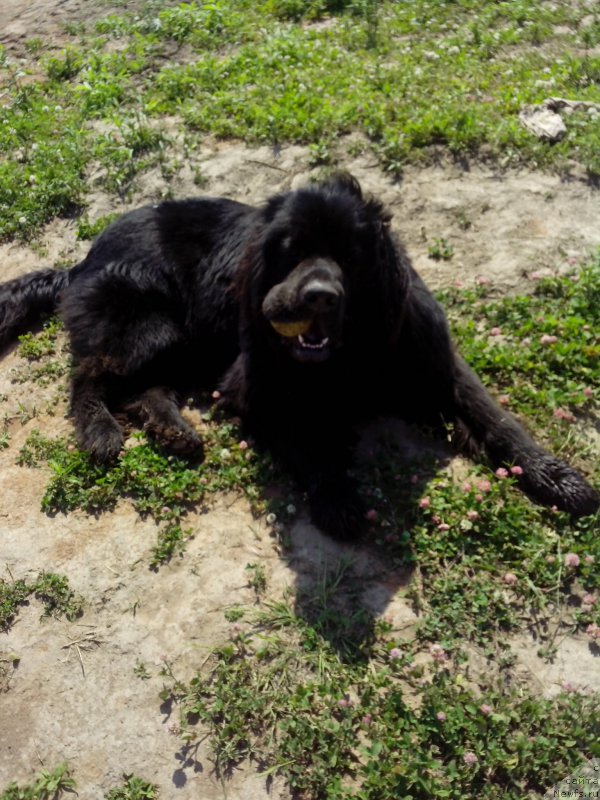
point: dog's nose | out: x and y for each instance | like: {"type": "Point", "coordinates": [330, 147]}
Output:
{"type": "Point", "coordinates": [320, 297]}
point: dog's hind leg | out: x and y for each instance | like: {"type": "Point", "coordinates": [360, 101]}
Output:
{"type": "Point", "coordinates": [158, 410]}
{"type": "Point", "coordinates": [544, 478]}
{"type": "Point", "coordinates": [97, 430]}
{"type": "Point", "coordinates": [122, 338]}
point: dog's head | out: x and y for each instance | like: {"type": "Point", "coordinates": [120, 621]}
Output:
{"type": "Point", "coordinates": [322, 271]}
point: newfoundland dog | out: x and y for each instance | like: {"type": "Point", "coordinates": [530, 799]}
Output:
{"type": "Point", "coordinates": [308, 312]}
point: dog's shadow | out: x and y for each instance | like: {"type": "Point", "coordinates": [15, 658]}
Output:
{"type": "Point", "coordinates": [348, 592]}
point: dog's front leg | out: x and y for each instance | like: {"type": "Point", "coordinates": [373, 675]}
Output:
{"type": "Point", "coordinates": [97, 430]}
{"type": "Point", "coordinates": [335, 505]}
{"type": "Point", "coordinates": [319, 461]}
{"type": "Point", "coordinates": [544, 478]}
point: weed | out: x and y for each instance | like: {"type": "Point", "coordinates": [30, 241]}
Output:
{"type": "Point", "coordinates": [24, 413]}
{"type": "Point", "coordinates": [58, 599]}
{"type": "Point", "coordinates": [66, 66]}
{"type": "Point", "coordinates": [124, 153]}
{"type": "Point", "coordinates": [9, 663]}
{"type": "Point", "coordinates": [47, 359]}
{"type": "Point", "coordinates": [234, 614]}
{"type": "Point", "coordinates": [133, 788]}
{"type": "Point", "coordinates": [12, 595]}
{"type": "Point", "coordinates": [89, 230]}
{"type": "Point", "coordinates": [49, 785]}
{"type": "Point", "coordinates": [257, 579]}
{"type": "Point", "coordinates": [440, 250]}
{"type": "Point", "coordinates": [33, 347]}
{"type": "Point", "coordinates": [52, 589]}
{"type": "Point", "coordinates": [141, 671]}
{"type": "Point", "coordinates": [320, 154]}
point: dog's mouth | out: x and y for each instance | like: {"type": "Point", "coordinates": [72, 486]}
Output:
{"type": "Point", "coordinates": [306, 310]}
{"type": "Point", "coordinates": [308, 340]}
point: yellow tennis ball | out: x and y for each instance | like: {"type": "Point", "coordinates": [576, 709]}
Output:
{"type": "Point", "coordinates": [291, 329]}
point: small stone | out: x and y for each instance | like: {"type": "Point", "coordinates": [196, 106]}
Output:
{"type": "Point", "coordinates": [543, 123]}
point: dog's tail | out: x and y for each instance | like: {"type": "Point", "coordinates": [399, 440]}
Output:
{"type": "Point", "coordinates": [24, 301]}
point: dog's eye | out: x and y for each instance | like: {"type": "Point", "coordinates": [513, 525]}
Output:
{"type": "Point", "coordinates": [277, 246]}
{"type": "Point", "coordinates": [281, 256]}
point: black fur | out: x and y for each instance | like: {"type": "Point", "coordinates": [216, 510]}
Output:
{"type": "Point", "coordinates": [309, 310]}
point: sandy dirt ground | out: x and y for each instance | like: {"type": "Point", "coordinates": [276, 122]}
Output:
{"type": "Point", "coordinates": [74, 696]}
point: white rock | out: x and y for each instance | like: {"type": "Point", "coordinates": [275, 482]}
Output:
{"type": "Point", "coordinates": [543, 123]}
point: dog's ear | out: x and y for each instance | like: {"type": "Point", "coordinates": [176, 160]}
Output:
{"type": "Point", "coordinates": [250, 273]}
{"type": "Point", "coordinates": [259, 253]}
{"type": "Point", "coordinates": [392, 282]}
{"type": "Point", "coordinates": [382, 275]}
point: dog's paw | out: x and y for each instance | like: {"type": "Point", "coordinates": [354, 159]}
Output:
{"type": "Point", "coordinates": [337, 509]}
{"type": "Point", "coordinates": [551, 482]}
{"type": "Point", "coordinates": [103, 440]}
{"type": "Point", "coordinates": [180, 440]}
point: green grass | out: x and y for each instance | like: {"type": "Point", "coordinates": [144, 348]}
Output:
{"type": "Point", "coordinates": [133, 788]}
{"type": "Point", "coordinates": [34, 347]}
{"type": "Point", "coordinates": [49, 785]}
{"type": "Point", "coordinates": [539, 351]}
{"type": "Point", "coordinates": [50, 589]}
{"type": "Point", "coordinates": [278, 694]}
{"type": "Point", "coordinates": [45, 356]}
{"type": "Point", "coordinates": [414, 78]}
{"type": "Point", "coordinates": [58, 783]}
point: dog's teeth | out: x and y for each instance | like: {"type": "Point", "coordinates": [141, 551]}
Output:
{"type": "Point", "coordinates": [319, 346]}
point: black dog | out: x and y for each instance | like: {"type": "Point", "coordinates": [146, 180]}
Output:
{"type": "Point", "coordinates": [310, 310]}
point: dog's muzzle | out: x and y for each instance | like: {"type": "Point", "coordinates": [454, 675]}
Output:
{"type": "Point", "coordinates": [306, 309]}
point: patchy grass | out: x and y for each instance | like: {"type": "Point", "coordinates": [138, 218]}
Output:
{"type": "Point", "coordinates": [160, 486]}
{"type": "Point", "coordinates": [45, 356]}
{"type": "Point", "coordinates": [539, 351]}
{"type": "Point", "coordinates": [413, 77]}
{"type": "Point", "coordinates": [133, 788]}
{"type": "Point", "coordinates": [87, 230]}
{"type": "Point", "coordinates": [49, 588]}
{"type": "Point", "coordinates": [58, 783]}
{"type": "Point", "coordinates": [277, 693]}
{"type": "Point", "coordinates": [49, 785]}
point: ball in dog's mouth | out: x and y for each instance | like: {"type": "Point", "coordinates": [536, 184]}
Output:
{"type": "Point", "coordinates": [292, 329]}
{"type": "Point", "coordinates": [308, 340]}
